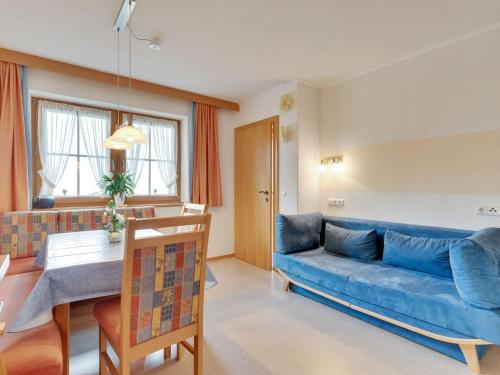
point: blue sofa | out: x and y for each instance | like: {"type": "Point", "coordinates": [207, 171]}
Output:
{"type": "Point", "coordinates": [422, 307]}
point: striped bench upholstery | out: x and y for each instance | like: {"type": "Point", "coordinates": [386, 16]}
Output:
{"type": "Point", "coordinates": [23, 233]}
{"type": "Point", "coordinates": [93, 219]}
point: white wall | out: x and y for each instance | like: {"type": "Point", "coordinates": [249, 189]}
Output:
{"type": "Point", "coordinates": [256, 108]}
{"type": "Point", "coordinates": [80, 90]}
{"type": "Point", "coordinates": [308, 105]}
{"type": "Point", "coordinates": [263, 106]}
{"type": "Point", "coordinates": [299, 154]}
{"type": "Point", "coordinates": [420, 138]}
{"type": "Point", "coordinates": [58, 86]}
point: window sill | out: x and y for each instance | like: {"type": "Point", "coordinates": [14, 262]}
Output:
{"type": "Point", "coordinates": [99, 202]}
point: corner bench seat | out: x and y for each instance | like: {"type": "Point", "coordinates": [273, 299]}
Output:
{"type": "Point", "coordinates": [419, 299]}
{"type": "Point", "coordinates": [34, 351]}
{"type": "Point", "coordinates": [23, 233]}
{"type": "Point", "coordinates": [22, 265]}
{"type": "Point", "coordinates": [93, 218]}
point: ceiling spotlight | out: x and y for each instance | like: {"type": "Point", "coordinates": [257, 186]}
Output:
{"type": "Point", "coordinates": [154, 44]}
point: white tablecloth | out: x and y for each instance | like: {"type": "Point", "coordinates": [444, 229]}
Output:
{"type": "Point", "coordinates": [77, 266]}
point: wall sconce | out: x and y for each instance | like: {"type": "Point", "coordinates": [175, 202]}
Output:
{"type": "Point", "coordinates": [286, 102]}
{"type": "Point", "coordinates": [332, 163]}
{"type": "Point", "coordinates": [286, 133]}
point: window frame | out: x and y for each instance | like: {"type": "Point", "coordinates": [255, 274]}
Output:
{"type": "Point", "coordinates": [117, 161]}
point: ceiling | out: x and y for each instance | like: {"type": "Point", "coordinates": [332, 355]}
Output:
{"type": "Point", "coordinates": [235, 48]}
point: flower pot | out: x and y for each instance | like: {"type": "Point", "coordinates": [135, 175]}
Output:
{"type": "Point", "coordinates": [119, 199]}
{"type": "Point", "coordinates": [114, 236]}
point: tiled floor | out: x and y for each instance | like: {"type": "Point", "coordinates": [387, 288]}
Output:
{"type": "Point", "coordinates": [252, 327]}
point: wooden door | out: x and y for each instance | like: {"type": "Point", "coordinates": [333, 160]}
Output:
{"type": "Point", "coordinates": [256, 191]}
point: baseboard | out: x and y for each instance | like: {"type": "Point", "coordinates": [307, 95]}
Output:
{"type": "Point", "coordinates": [221, 257]}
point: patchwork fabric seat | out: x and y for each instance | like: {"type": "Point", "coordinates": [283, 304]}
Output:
{"type": "Point", "coordinates": [93, 219]}
{"type": "Point", "coordinates": [23, 233]}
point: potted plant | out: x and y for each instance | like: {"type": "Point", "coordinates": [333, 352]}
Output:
{"type": "Point", "coordinates": [118, 186]}
{"type": "Point", "coordinates": [115, 222]}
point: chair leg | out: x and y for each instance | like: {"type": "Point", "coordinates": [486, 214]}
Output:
{"type": "Point", "coordinates": [102, 349]}
{"type": "Point", "coordinates": [124, 367]}
{"type": "Point", "coordinates": [198, 355]}
{"type": "Point", "coordinates": [470, 354]}
{"type": "Point", "coordinates": [180, 351]}
{"type": "Point", "coordinates": [167, 353]}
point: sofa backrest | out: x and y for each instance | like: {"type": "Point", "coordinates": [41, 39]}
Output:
{"type": "Point", "coordinates": [93, 219]}
{"type": "Point", "coordinates": [24, 232]}
{"type": "Point", "coordinates": [382, 226]}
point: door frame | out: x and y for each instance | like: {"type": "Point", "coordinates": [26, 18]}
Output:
{"type": "Point", "coordinates": [275, 186]}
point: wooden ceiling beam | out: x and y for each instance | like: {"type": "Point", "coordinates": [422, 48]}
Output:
{"type": "Point", "coordinates": [38, 62]}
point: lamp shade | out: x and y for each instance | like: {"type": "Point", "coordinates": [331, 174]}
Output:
{"type": "Point", "coordinates": [130, 134]}
{"type": "Point", "coordinates": [116, 144]}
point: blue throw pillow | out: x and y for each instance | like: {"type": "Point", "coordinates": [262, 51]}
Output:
{"type": "Point", "coordinates": [298, 232]}
{"type": "Point", "coordinates": [361, 244]}
{"type": "Point", "coordinates": [475, 262]}
{"type": "Point", "coordinates": [429, 255]}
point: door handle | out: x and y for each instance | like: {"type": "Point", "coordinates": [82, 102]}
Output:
{"type": "Point", "coordinates": [266, 192]}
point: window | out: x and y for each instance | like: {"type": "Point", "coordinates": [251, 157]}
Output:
{"type": "Point", "coordinates": [72, 159]}
{"type": "Point", "coordinates": [69, 159]}
{"type": "Point", "coordinates": [154, 165]}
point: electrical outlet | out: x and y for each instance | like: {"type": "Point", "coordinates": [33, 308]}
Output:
{"type": "Point", "coordinates": [335, 202]}
{"type": "Point", "coordinates": [488, 211]}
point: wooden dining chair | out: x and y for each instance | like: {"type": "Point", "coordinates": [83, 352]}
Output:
{"type": "Point", "coordinates": [193, 209]}
{"type": "Point", "coordinates": [163, 284]}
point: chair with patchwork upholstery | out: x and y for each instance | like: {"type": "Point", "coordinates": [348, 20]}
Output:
{"type": "Point", "coordinates": [23, 234]}
{"type": "Point", "coordinates": [161, 304]}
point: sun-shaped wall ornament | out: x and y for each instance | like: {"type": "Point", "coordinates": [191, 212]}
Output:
{"type": "Point", "coordinates": [286, 103]}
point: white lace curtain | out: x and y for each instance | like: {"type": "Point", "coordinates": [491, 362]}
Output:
{"type": "Point", "coordinates": [58, 139]}
{"type": "Point", "coordinates": [162, 148]}
{"type": "Point", "coordinates": [56, 128]}
{"type": "Point", "coordinates": [95, 126]}
{"type": "Point", "coordinates": [137, 155]}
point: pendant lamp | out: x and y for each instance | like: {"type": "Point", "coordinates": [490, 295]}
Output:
{"type": "Point", "coordinates": [126, 135]}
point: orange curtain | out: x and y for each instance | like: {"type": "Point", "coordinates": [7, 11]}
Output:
{"type": "Point", "coordinates": [206, 169]}
{"type": "Point", "coordinates": [13, 157]}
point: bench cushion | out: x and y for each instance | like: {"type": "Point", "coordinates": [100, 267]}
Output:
{"type": "Point", "coordinates": [93, 219]}
{"type": "Point", "coordinates": [24, 232]}
{"type": "Point", "coordinates": [22, 265]}
{"type": "Point", "coordinates": [34, 351]}
{"type": "Point", "coordinates": [413, 297]}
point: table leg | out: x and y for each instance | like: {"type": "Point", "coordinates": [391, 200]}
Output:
{"type": "Point", "coordinates": [61, 316]}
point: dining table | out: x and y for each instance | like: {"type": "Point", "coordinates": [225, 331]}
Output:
{"type": "Point", "coordinates": [77, 266]}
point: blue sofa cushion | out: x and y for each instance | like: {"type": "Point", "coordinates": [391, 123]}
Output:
{"type": "Point", "coordinates": [383, 226]}
{"type": "Point", "coordinates": [427, 255]}
{"type": "Point", "coordinates": [298, 232]}
{"type": "Point", "coordinates": [475, 262]}
{"type": "Point", "coordinates": [361, 244]}
{"type": "Point", "coordinates": [422, 300]}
